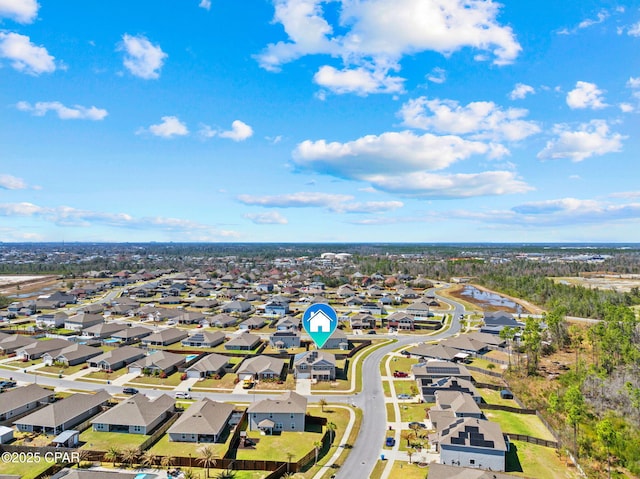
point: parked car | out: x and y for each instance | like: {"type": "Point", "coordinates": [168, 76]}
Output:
{"type": "Point", "coordinates": [183, 395]}
{"type": "Point", "coordinates": [421, 425]}
{"type": "Point", "coordinates": [390, 442]}
{"type": "Point", "coordinates": [404, 396]}
{"type": "Point", "coordinates": [400, 374]}
{"type": "Point", "coordinates": [130, 391]}
{"type": "Point", "coordinates": [371, 331]}
{"type": "Point", "coordinates": [405, 353]}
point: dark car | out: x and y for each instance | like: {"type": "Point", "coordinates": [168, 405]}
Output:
{"type": "Point", "coordinates": [405, 353]}
{"type": "Point", "coordinates": [400, 374]}
{"type": "Point", "coordinates": [417, 424]}
{"type": "Point", "coordinates": [130, 391]}
{"type": "Point", "coordinates": [371, 331]}
{"type": "Point", "coordinates": [390, 442]}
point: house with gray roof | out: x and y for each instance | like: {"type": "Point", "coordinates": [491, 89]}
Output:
{"type": "Point", "coordinates": [103, 330]}
{"type": "Point", "coordinates": [236, 307]}
{"type": "Point", "coordinates": [222, 320]}
{"type": "Point", "coordinates": [210, 365]}
{"type": "Point", "coordinates": [73, 354]}
{"type": "Point", "coordinates": [243, 342]}
{"type": "Point", "coordinates": [13, 342]}
{"type": "Point", "coordinates": [136, 415]}
{"type": "Point", "coordinates": [284, 339]}
{"type": "Point", "coordinates": [189, 318]}
{"type": "Point", "coordinates": [474, 443]}
{"type": "Point", "coordinates": [436, 351]}
{"type": "Point", "coordinates": [466, 344]}
{"type": "Point", "coordinates": [362, 321]}
{"type": "Point", "coordinates": [81, 321]}
{"type": "Point", "coordinates": [459, 403]}
{"type": "Point", "coordinates": [434, 369]}
{"type": "Point", "coordinates": [19, 400]}
{"type": "Point", "coordinates": [287, 323]}
{"type": "Point", "coordinates": [429, 388]}
{"type": "Point", "coordinates": [158, 362]}
{"type": "Point", "coordinates": [261, 367]}
{"type": "Point", "coordinates": [64, 414]}
{"type": "Point", "coordinates": [316, 364]}
{"type": "Point", "coordinates": [442, 471]}
{"type": "Point", "coordinates": [164, 337]}
{"type": "Point", "coordinates": [132, 335]}
{"type": "Point", "coordinates": [254, 322]}
{"type": "Point", "coordinates": [51, 320]}
{"type": "Point", "coordinates": [37, 349]}
{"type": "Point", "coordinates": [116, 358]}
{"type": "Point", "coordinates": [337, 340]}
{"type": "Point", "coordinates": [204, 421]}
{"type": "Point", "coordinates": [285, 413]}
{"type": "Point", "coordinates": [204, 339]}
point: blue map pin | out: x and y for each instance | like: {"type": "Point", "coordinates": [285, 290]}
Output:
{"type": "Point", "coordinates": [320, 321]}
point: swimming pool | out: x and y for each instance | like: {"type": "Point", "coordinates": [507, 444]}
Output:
{"type": "Point", "coordinates": [111, 341]}
{"type": "Point", "coordinates": [191, 357]}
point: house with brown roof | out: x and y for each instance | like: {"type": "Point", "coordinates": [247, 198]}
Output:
{"type": "Point", "coordinates": [164, 337]}
{"type": "Point", "coordinates": [37, 349]}
{"type": "Point", "coordinates": [136, 415]}
{"type": "Point", "coordinates": [204, 421]}
{"type": "Point", "coordinates": [157, 362]}
{"type": "Point", "coordinates": [210, 365]}
{"type": "Point", "coordinates": [13, 342]}
{"type": "Point", "coordinates": [116, 358]}
{"type": "Point", "coordinates": [243, 342]}
{"type": "Point", "coordinates": [261, 367]}
{"type": "Point", "coordinates": [442, 471]}
{"type": "Point", "coordinates": [429, 388]}
{"type": "Point", "coordinates": [19, 400]}
{"type": "Point", "coordinates": [81, 321]}
{"type": "Point", "coordinates": [71, 355]}
{"type": "Point", "coordinates": [222, 321]}
{"type": "Point", "coordinates": [132, 335]}
{"type": "Point", "coordinates": [103, 330]}
{"type": "Point", "coordinates": [285, 413]}
{"type": "Point", "coordinates": [204, 339]}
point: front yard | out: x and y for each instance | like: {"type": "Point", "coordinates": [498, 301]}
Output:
{"type": "Point", "coordinates": [104, 375]}
{"type": "Point", "coordinates": [172, 380]}
{"type": "Point", "coordinates": [228, 381]}
{"type": "Point", "coordinates": [414, 412]}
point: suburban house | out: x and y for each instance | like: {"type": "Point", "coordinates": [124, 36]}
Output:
{"type": "Point", "coordinates": [26, 398]}
{"type": "Point", "coordinates": [71, 355]}
{"type": "Point", "coordinates": [474, 443]}
{"type": "Point", "coordinates": [164, 337]}
{"type": "Point", "coordinates": [243, 342]}
{"type": "Point", "coordinates": [13, 342]}
{"type": "Point", "coordinates": [457, 403]}
{"type": "Point", "coordinates": [158, 362]}
{"type": "Point", "coordinates": [286, 413]}
{"type": "Point", "coordinates": [419, 309]}
{"type": "Point", "coordinates": [466, 344]}
{"type": "Point", "coordinates": [51, 320]}
{"type": "Point", "coordinates": [442, 471]}
{"type": "Point", "coordinates": [210, 365]}
{"type": "Point", "coordinates": [132, 335]}
{"type": "Point", "coordinates": [434, 369]}
{"type": "Point", "coordinates": [362, 321]}
{"type": "Point", "coordinates": [62, 299]}
{"type": "Point", "coordinates": [261, 367]}
{"type": "Point", "coordinates": [491, 340]}
{"type": "Point", "coordinates": [222, 321]}
{"type": "Point", "coordinates": [254, 322]}
{"type": "Point", "coordinates": [204, 339]}
{"type": "Point", "coordinates": [316, 364]}
{"type": "Point", "coordinates": [284, 339]}
{"type": "Point", "coordinates": [496, 321]}
{"type": "Point", "coordinates": [428, 389]}
{"type": "Point", "coordinates": [277, 308]}
{"type": "Point", "coordinates": [436, 351]}
{"type": "Point", "coordinates": [236, 307]}
{"type": "Point", "coordinates": [189, 318]}
{"type": "Point", "coordinates": [401, 321]}
{"type": "Point", "coordinates": [204, 421]}
{"type": "Point", "coordinates": [288, 323]}
{"type": "Point", "coordinates": [37, 349]}
{"type": "Point", "coordinates": [64, 414]}
{"type": "Point", "coordinates": [81, 321]}
{"type": "Point", "coordinates": [103, 330]}
{"type": "Point", "coordinates": [337, 340]}
{"type": "Point", "coordinates": [116, 358]}
{"type": "Point", "coordinates": [135, 415]}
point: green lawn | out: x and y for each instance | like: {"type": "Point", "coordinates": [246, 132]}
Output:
{"type": "Point", "coordinates": [65, 370]}
{"type": "Point", "coordinates": [400, 470]}
{"type": "Point", "coordinates": [171, 380]}
{"type": "Point", "coordinates": [25, 470]}
{"type": "Point", "coordinates": [405, 387]}
{"type": "Point", "coordinates": [105, 375]}
{"type": "Point", "coordinates": [164, 447]}
{"type": "Point", "coordinates": [486, 364]}
{"type": "Point", "coordinates": [102, 441]}
{"type": "Point", "coordinates": [414, 412]}
{"type": "Point", "coordinates": [527, 424]}
{"type": "Point", "coordinates": [288, 384]}
{"type": "Point", "coordinates": [493, 397]}
{"type": "Point", "coordinates": [391, 412]}
{"type": "Point", "coordinates": [538, 462]}
{"type": "Point", "coordinates": [485, 378]}
{"type": "Point", "coordinates": [226, 382]}
{"type": "Point", "coordinates": [275, 448]}
{"type": "Point", "coordinates": [386, 388]}
{"type": "Point", "coordinates": [402, 364]}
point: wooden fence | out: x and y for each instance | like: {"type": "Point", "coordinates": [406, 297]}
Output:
{"type": "Point", "coordinates": [516, 410]}
{"type": "Point", "coordinates": [533, 440]}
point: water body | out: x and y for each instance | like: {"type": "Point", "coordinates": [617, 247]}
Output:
{"type": "Point", "coordinates": [492, 299]}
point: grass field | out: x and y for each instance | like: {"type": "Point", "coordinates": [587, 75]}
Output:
{"type": "Point", "coordinates": [400, 470]}
{"type": "Point", "coordinates": [102, 441]}
{"type": "Point", "coordinates": [105, 375]}
{"type": "Point", "coordinates": [226, 382]}
{"type": "Point", "coordinates": [25, 470]}
{"type": "Point", "coordinates": [65, 370]}
{"type": "Point", "coordinates": [391, 412]}
{"type": "Point", "coordinates": [405, 387]}
{"type": "Point", "coordinates": [164, 447]}
{"type": "Point", "coordinates": [493, 397]}
{"type": "Point", "coordinates": [527, 424]}
{"type": "Point", "coordinates": [171, 380]}
{"type": "Point", "coordinates": [413, 412]}
{"type": "Point", "coordinates": [538, 462]}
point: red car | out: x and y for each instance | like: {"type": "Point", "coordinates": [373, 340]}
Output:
{"type": "Point", "coordinates": [400, 374]}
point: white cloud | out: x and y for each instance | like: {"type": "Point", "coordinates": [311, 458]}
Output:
{"type": "Point", "coordinates": [634, 30]}
{"type": "Point", "coordinates": [437, 75]}
{"type": "Point", "coordinates": [336, 203]}
{"type": "Point", "coordinates": [593, 138]}
{"type": "Point", "coordinates": [482, 119]}
{"type": "Point", "coordinates": [22, 11]}
{"type": "Point", "coordinates": [360, 81]}
{"type": "Point", "coordinates": [626, 107]}
{"type": "Point", "coordinates": [142, 58]}
{"type": "Point", "coordinates": [393, 151]}
{"type": "Point", "coordinates": [520, 91]}
{"type": "Point", "coordinates": [24, 55]}
{"type": "Point", "coordinates": [206, 4]}
{"type": "Point", "coordinates": [585, 95]}
{"type": "Point", "coordinates": [240, 131]}
{"type": "Point", "coordinates": [634, 85]}
{"type": "Point", "coordinates": [9, 182]}
{"type": "Point", "coordinates": [626, 194]}
{"type": "Point", "coordinates": [461, 185]}
{"type": "Point", "coordinates": [77, 112]}
{"type": "Point", "coordinates": [169, 127]}
{"type": "Point", "coordinates": [589, 22]}
{"type": "Point", "coordinates": [269, 218]}
{"type": "Point", "coordinates": [378, 33]}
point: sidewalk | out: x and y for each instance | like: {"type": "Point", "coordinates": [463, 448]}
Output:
{"type": "Point", "coordinates": [345, 437]}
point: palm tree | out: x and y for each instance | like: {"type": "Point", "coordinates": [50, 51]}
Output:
{"type": "Point", "coordinates": [407, 436]}
{"type": "Point", "coordinates": [148, 459]}
{"type": "Point", "coordinates": [226, 474]}
{"type": "Point", "coordinates": [316, 447]}
{"type": "Point", "coordinates": [289, 457]}
{"type": "Point", "coordinates": [323, 403]}
{"type": "Point", "coordinates": [331, 427]}
{"type": "Point", "coordinates": [189, 474]}
{"type": "Point", "coordinates": [209, 457]}
{"type": "Point", "coordinates": [411, 451]}
{"type": "Point", "coordinates": [112, 454]}
{"type": "Point", "coordinates": [82, 456]}
{"type": "Point", "coordinates": [130, 455]}
{"type": "Point", "coordinates": [167, 461]}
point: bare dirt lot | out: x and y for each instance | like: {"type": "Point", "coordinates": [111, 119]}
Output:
{"type": "Point", "coordinates": [23, 284]}
{"type": "Point", "coordinates": [621, 283]}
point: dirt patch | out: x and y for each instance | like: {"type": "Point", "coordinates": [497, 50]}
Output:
{"type": "Point", "coordinates": [26, 285]}
{"type": "Point", "coordinates": [528, 308]}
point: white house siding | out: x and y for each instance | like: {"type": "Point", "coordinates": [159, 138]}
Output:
{"type": "Point", "coordinates": [472, 457]}
{"type": "Point", "coordinates": [282, 421]}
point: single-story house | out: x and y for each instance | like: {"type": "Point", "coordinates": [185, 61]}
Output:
{"type": "Point", "coordinates": [103, 330]}
{"type": "Point", "coordinates": [132, 335]}
{"type": "Point", "coordinates": [204, 339]}
{"type": "Point", "coordinates": [6, 434]}
{"type": "Point", "coordinates": [466, 344]}
{"type": "Point", "coordinates": [284, 339]}
{"type": "Point", "coordinates": [261, 367]}
{"type": "Point", "coordinates": [81, 321]}
{"type": "Point", "coordinates": [337, 340]}
{"type": "Point", "coordinates": [288, 323]}
{"type": "Point", "coordinates": [492, 340]}
{"type": "Point", "coordinates": [190, 318]}
{"type": "Point", "coordinates": [204, 421]}
{"type": "Point", "coordinates": [459, 403]}
{"type": "Point", "coordinates": [71, 355]}
{"type": "Point", "coordinates": [62, 299]}
{"type": "Point", "coordinates": [135, 415]}
{"type": "Point", "coordinates": [442, 471]}
{"type": "Point", "coordinates": [434, 369]}
{"type": "Point", "coordinates": [210, 365]}
{"type": "Point", "coordinates": [437, 351]}
{"type": "Point", "coordinates": [222, 321]}
{"type": "Point", "coordinates": [243, 342]}
{"type": "Point", "coordinates": [51, 320]}
{"type": "Point", "coordinates": [64, 414]}
{"type": "Point", "coordinates": [19, 400]}
{"type": "Point", "coordinates": [14, 342]}
{"type": "Point", "coordinates": [36, 350]}
{"type": "Point", "coordinates": [277, 308]}
{"type": "Point", "coordinates": [158, 362]}
{"type": "Point", "coordinates": [116, 358]}
{"type": "Point", "coordinates": [316, 364]}
{"type": "Point", "coordinates": [429, 388]}
{"type": "Point", "coordinates": [254, 322]}
{"type": "Point", "coordinates": [164, 337]}
{"type": "Point", "coordinates": [286, 413]}
{"type": "Point", "coordinates": [236, 307]}
{"type": "Point", "coordinates": [204, 303]}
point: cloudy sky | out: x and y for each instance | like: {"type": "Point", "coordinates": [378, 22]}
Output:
{"type": "Point", "coordinates": [310, 120]}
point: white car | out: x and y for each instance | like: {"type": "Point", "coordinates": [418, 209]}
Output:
{"type": "Point", "coordinates": [183, 395]}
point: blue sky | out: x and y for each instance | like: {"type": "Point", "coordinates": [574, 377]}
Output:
{"type": "Point", "coordinates": [305, 120]}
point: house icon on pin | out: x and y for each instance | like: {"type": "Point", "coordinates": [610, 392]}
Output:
{"type": "Point", "coordinates": [319, 322]}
